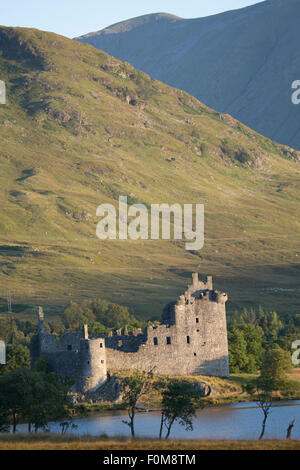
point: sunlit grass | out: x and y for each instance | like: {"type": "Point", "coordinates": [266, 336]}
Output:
{"type": "Point", "coordinates": [58, 442]}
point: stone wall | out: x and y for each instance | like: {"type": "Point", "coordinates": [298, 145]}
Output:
{"type": "Point", "coordinates": [191, 340]}
{"type": "Point", "coordinates": [195, 345]}
{"type": "Point", "coordinates": [73, 356]}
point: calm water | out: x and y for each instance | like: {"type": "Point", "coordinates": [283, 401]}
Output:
{"type": "Point", "coordinates": [235, 421]}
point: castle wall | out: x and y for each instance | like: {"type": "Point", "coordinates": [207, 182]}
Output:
{"type": "Point", "coordinates": [198, 343]}
{"type": "Point", "coordinates": [192, 340]}
{"type": "Point", "coordinates": [73, 356]}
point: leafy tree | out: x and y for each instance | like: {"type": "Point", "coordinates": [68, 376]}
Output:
{"type": "Point", "coordinates": [270, 323]}
{"type": "Point", "coordinates": [100, 314]}
{"type": "Point", "coordinates": [133, 388]}
{"type": "Point", "coordinates": [96, 328]}
{"type": "Point", "coordinates": [12, 397]}
{"type": "Point", "coordinates": [237, 350]}
{"type": "Point", "coordinates": [276, 363]}
{"type": "Point", "coordinates": [178, 404]}
{"type": "Point", "coordinates": [7, 327]}
{"type": "Point", "coordinates": [17, 357]}
{"type": "Point", "coordinates": [74, 316]}
{"type": "Point", "coordinates": [110, 314]}
{"type": "Point", "coordinates": [253, 336]}
{"type": "Point", "coordinates": [34, 396]}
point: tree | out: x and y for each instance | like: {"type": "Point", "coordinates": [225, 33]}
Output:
{"type": "Point", "coordinates": [249, 317]}
{"type": "Point", "coordinates": [74, 316]}
{"type": "Point", "coordinates": [270, 323]}
{"type": "Point", "coordinates": [33, 396]}
{"type": "Point", "coordinates": [253, 336]}
{"type": "Point", "coordinates": [96, 328]}
{"type": "Point", "coordinates": [178, 404]}
{"type": "Point", "coordinates": [100, 314]}
{"type": "Point", "coordinates": [237, 350]}
{"type": "Point", "coordinates": [276, 363]}
{"type": "Point", "coordinates": [12, 397]}
{"type": "Point", "coordinates": [261, 391]}
{"type": "Point", "coordinates": [133, 388]}
{"type": "Point", "coordinates": [17, 357]}
{"type": "Point", "coordinates": [245, 348]}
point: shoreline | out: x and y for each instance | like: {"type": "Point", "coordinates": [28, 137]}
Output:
{"type": "Point", "coordinates": [95, 409]}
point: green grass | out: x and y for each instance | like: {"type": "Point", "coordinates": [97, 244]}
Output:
{"type": "Point", "coordinates": [70, 141]}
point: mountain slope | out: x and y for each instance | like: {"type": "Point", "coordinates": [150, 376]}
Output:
{"type": "Point", "coordinates": [241, 62]}
{"type": "Point", "coordinates": [81, 128]}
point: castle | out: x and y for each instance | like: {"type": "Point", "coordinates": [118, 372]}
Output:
{"type": "Point", "coordinates": [190, 340]}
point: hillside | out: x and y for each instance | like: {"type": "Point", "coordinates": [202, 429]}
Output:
{"type": "Point", "coordinates": [241, 62]}
{"type": "Point", "coordinates": [81, 128]}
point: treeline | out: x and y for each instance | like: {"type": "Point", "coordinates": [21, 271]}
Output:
{"type": "Point", "coordinates": [253, 333]}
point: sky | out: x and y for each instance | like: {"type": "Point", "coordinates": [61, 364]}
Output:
{"type": "Point", "coordinates": [73, 18]}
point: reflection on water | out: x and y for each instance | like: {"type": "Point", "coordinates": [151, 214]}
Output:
{"type": "Point", "coordinates": [235, 421]}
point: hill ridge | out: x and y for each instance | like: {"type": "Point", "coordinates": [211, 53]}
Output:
{"type": "Point", "coordinates": [213, 58]}
{"type": "Point", "coordinates": [81, 128]}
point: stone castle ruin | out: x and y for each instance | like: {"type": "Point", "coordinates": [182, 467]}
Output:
{"type": "Point", "coordinates": [191, 340]}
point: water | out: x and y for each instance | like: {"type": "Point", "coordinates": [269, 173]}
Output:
{"type": "Point", "coordinates": [235, 421]}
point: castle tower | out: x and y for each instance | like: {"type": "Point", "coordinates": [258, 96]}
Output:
{"type": "Point", "coordinates": [200, 320]}
{"type": "Point", "coordinates": [92, 363]}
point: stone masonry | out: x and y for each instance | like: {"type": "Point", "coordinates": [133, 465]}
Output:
{"type": "Point", "coordinates": [191, 340]}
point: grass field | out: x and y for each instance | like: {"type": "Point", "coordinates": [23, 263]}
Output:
{"type": "Point", "coordinates": [57, 442]}
{"type": "Point", "coordinates": [81, 128]}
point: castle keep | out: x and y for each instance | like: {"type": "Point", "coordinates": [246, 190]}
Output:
{"type": "Point", "coordinates": [191, 340]}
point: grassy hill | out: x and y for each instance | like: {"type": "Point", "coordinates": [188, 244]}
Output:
{"type": "Point", "coordinates": [241, 62]}
{"type": "Point", "coordinates": [81, 128]}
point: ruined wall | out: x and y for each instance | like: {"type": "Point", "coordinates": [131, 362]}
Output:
{"type": "Point", "coordinates": [196, 344]}
{"type": "Point", "coordinates": [192, 340]}
{"type": "Point", "coordinates": [73, 356]}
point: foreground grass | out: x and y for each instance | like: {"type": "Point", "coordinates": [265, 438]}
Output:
{"type": "Point", "coordinates": [58, 442]}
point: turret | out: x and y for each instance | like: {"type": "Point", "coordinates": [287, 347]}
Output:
{"type": "Point", "coordinates": [92, 363]}
{"type": "Point", "coordinates": [220, 297]}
